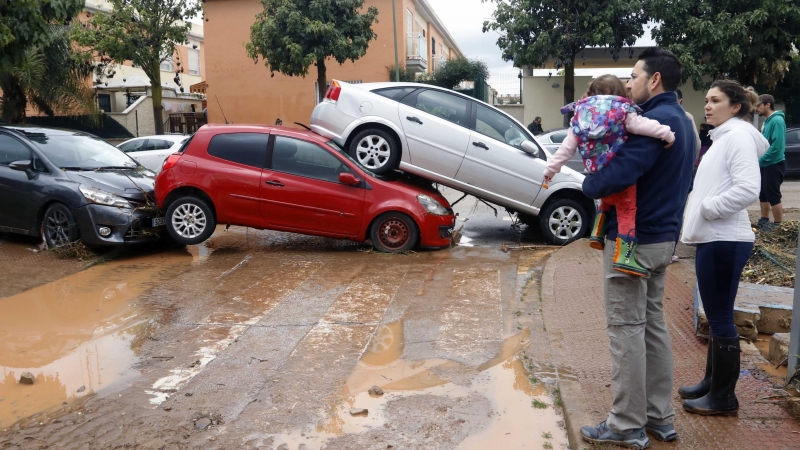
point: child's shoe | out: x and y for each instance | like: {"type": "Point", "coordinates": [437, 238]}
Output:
{"type": "Point", "coordinates": [598, 238]}
{"type": "Point", "coordinates": [625, 257]}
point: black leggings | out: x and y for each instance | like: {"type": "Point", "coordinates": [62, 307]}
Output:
{"type": "Point", "coordinates": [719, 266]}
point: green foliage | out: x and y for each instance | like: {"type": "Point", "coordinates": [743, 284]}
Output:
{"type": "Point", "coordinates": [787, 91]}
{"type": "Point", "coordinates": [25, 24]}
{"type": "Point", "coordinates": [142, 31]}
{"type": "Point", "coordinates": [538, 404]}
{"type": "Point", "coordinates": [458, 69]}
{"type": "Point", "coordinates": [291, 35]}
{"type": "Point", "coordinates": [406, 75]}
{"type": "Point", "coordinates": [748, 40]}
{"type": "Point", "coordinates": [50, 76]}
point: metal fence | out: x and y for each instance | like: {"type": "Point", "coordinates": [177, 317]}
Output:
{"type": "Point", "coordinates": [507, 84]}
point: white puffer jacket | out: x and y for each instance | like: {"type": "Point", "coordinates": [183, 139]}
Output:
{"type": "Point", "coordinates": [728, 180]}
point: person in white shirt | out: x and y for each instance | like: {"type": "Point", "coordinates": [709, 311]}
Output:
{"type": "Point", "coordinates": [728, 180]}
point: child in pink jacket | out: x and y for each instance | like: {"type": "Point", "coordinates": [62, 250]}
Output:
{"type": "Point", "coordinates": [602, 121]}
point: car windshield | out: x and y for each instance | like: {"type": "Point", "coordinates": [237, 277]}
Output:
{"type": "Point", "coordinates": [81, 151]}
{"type": "Point", "coordinates": [347, 155]}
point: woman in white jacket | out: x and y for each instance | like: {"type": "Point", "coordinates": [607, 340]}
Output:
{"type": "Point", "coordinates": [728, 181]}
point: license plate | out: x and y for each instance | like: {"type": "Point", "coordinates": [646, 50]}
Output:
{"type": "Point", "coordinates": [159, 221]}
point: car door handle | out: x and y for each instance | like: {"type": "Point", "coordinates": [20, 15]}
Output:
{"type": "Point", "coordinates": [481, 145]}
{"type": "Point", "coordinates": [414, 119]}
{"type": "Point", "coordinates": [274, 183]}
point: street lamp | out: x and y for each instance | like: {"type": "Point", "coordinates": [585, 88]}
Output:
{"type": "Point", "coordinates": [396, 57]}
{"type": "Point", "coordinates": [520, 86]}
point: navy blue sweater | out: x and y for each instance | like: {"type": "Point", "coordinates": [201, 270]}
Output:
{"type": "Point", "coordinates": [662, 176]}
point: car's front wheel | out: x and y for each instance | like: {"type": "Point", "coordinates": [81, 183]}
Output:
{"type": "Point", "coordinates": [190, 220]}
{"type": "Point", "coordinates": [59, 226]}
{"type": "Point", "coordinates": [393, 232]}
{"type": "Point", "coordinates": [376, 150]}
{"type": "Point", "coordinates": [564, 221]}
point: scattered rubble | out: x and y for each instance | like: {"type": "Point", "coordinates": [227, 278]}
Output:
{"type": "Point", "coordinates": [359, 412]}
{"type": "Point", "coordinates": [375, 390]}
{"type": "Point", "coordinates": [27, 378]}
{"type": "Point", "coordinates": [774, 256]}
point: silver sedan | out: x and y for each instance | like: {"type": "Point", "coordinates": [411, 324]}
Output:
{"type": "Point", "coordinates": [457, 141]}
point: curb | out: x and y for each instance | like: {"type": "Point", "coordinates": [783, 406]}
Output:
{"type": "Point", "coordinates": [571, 392]}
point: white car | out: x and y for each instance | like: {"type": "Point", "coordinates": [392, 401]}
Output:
{"type": "Point", "coordinates": [457, 141]}
{"type": "Point", "coordinates": [551, 140]}
{"type": "Point", "coordinates": [151, 151]}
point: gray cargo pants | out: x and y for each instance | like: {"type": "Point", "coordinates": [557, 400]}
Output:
{"type": "Point", "coordinates": [641, 348]}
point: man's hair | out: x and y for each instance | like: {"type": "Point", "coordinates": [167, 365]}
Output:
{"type": "Point", "coordinates": [679, 93]}
{"type": "Point", "coordinates": [657, 59]}
{"type": "Point", "coordinates": [537, 118]}
{"type": "Point", "coordinates": [737, 95]}
{"type": "Point", "coordinates": [607, 85]}
{"type": "Point", "coordinates": [767, 99]}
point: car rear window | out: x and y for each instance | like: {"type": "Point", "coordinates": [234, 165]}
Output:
{"type": "Point", "coordinates": [395, 93]}
{"type": "Point", "coordinates": [793, 136]}
{"type": "Point", "coordinates": [244, 148]}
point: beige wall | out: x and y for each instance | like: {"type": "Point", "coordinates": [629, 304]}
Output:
{"type": "Point", "coordinates": [246, 91]}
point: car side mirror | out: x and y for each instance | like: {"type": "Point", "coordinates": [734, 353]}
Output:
{"type": "Point", "coordinates": [22, 165]}
{"type": "Point", "coordinates": [530, 147]}
{"type": "Point", "coordinates": [349, 179]}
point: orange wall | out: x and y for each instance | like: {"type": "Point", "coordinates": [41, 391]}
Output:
{"type": "Point", "coordinates": [247, 93]}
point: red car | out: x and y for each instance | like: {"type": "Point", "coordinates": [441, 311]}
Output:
{"type": "Point", "coordinates": [285, 179]}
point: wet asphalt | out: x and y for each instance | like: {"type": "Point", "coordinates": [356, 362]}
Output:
{"type": "Point", "coordinates": [260, 339]}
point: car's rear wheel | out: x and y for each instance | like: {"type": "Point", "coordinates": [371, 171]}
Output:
{"type": "Point", "coordinates": [563, 221]}
{"type": "Point", "coordinates": [376, 150]}
{"type": "Point", "coordinates": [393, 232]}
{"type": "Point", "coordinates": [59, 226]}
{"type": "Point", "coordinates": [190, 220]}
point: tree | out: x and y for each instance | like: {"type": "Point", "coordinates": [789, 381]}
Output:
{"type": "Point", "coordinates": [535, 32]}
{"type": "Point", "coordinates": [458, 69]}
{"type": "Point", "coordinates": [787, 91]}
{"type": "Point", "coordinates": [51, 76]}
{"type": "Point", "coordinates": [291, 35]}
{"type": "Point", "coordinates": [751, 40]}
{"type": "Point", "coordinates": [26, 23]}
{"type": "Point", "coordinates": [144, 32]}
{"type": "Point", "coordinates": [406, 75]}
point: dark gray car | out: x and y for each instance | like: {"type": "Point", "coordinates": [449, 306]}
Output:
{"type": "Point", "coordinates": [64, 185]}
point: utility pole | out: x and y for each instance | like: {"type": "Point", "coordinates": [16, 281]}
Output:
{"type": "Point", "coordinates": [794, 338]}
{"type": "Point", "coordinates": [396, 56]}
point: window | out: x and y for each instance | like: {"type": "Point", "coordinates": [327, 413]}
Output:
{"type": "Point", "coordinates": [305, 159]}
{"type": "Point", "coordinates": [104, 102]}
{"type": "Point", "coordinates": [167, 66]}
{"type": "Point", "coordinates": [249, 149]}
{"type": "Point", "coordinates": [499, 127]}
{"type": "Point", "coordinates": [558, 138]}
{"type": "Point", "coordinates": [12, 150]}
{"type": "Point", "coordinates": [158, 144]}
{"type": "Point", "coordinates": [194, 62]}
{"type": "Point", "coordinates": [433, 45]}
{"type": "Point", "coordinates": [395, 93]}
{"type": "Point", "coordinates": [793, 137]}
{"type": "Point", "coordinates": [133, 146]}
{"type": "Point", "coordinates": [448, 107]}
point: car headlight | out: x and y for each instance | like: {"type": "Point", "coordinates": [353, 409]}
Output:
{"type": "Point", "coordinates": [94, 195]}
{"type": "Point", "coordinates": [431, 205]}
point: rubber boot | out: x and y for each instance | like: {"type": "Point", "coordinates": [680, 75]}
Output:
{"type": "Point", "coordinates": [598, 238]}
{"type": "Point", "coordinates": [700, 389]}
{"type": "Point", "coordinates": [721, 398]}
{"type": "Point", "coordinates": [625, 257]}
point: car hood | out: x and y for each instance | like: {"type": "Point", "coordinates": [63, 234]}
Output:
{"type": "Point", "coordinates": [414, 186]}
{"type": "Point", "coordinates": [128, 184]}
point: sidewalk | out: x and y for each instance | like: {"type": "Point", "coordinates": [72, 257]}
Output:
{"type": "Point", "coordinates": [572, 303]}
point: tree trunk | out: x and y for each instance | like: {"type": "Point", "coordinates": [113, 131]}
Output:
{"type": "Point", "coordinates": [322, 78]}
{"type": "Point", "coordinates": [14, 100]}
{"type": "Point", "coordinates": [569, 89]}
{"type": "Point", "coordinates": [155, 88]}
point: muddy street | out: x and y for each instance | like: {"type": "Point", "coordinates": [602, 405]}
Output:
{"type": "Point", "coordinates": [261, 339]}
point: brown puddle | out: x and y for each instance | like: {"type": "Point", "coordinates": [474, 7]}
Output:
{"type": "Point", "coordinates": [762, 344]}
{"type": "Point", "coordinates": [76, 335]}
{"type": "Point", "coordinates": [503, 380]}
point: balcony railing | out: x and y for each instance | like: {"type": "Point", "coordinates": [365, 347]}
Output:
{"type": "Point", "coordinates": [416, 52]}
{"type": "Point", "coordinates": [437, 62]}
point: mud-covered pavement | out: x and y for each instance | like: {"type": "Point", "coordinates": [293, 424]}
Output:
{"type": "Point", "coordinates": [260, 339]}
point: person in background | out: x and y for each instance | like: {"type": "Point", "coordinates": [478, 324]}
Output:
{"type": "Point", "coordinates": [535, 127]}
{"type": "Point", "coordinates": [705, 143]}
{"type": "Point", "coordinates": [728, 181]}
{"type": "Point", "coordinates": [772, 163]}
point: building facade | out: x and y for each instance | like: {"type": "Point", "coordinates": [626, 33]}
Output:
{"type": "Point", "coordinates": [243, 92]}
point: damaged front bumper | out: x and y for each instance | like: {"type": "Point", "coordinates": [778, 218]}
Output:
{"type": "Point", "coordinates": [128, 226]}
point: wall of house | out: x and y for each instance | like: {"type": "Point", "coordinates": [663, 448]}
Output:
{"type": "Point", "coordinates": [248, 94]}
{"type": "Point", "coordinates": [515, 111]}
{"type": "Point", "coordinates": [143, 109]}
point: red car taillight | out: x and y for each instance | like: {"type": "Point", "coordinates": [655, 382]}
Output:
{"type": "Point", "coordinates": [171, 161]}
{"type": "Point", "coordinates": [333, 91]}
